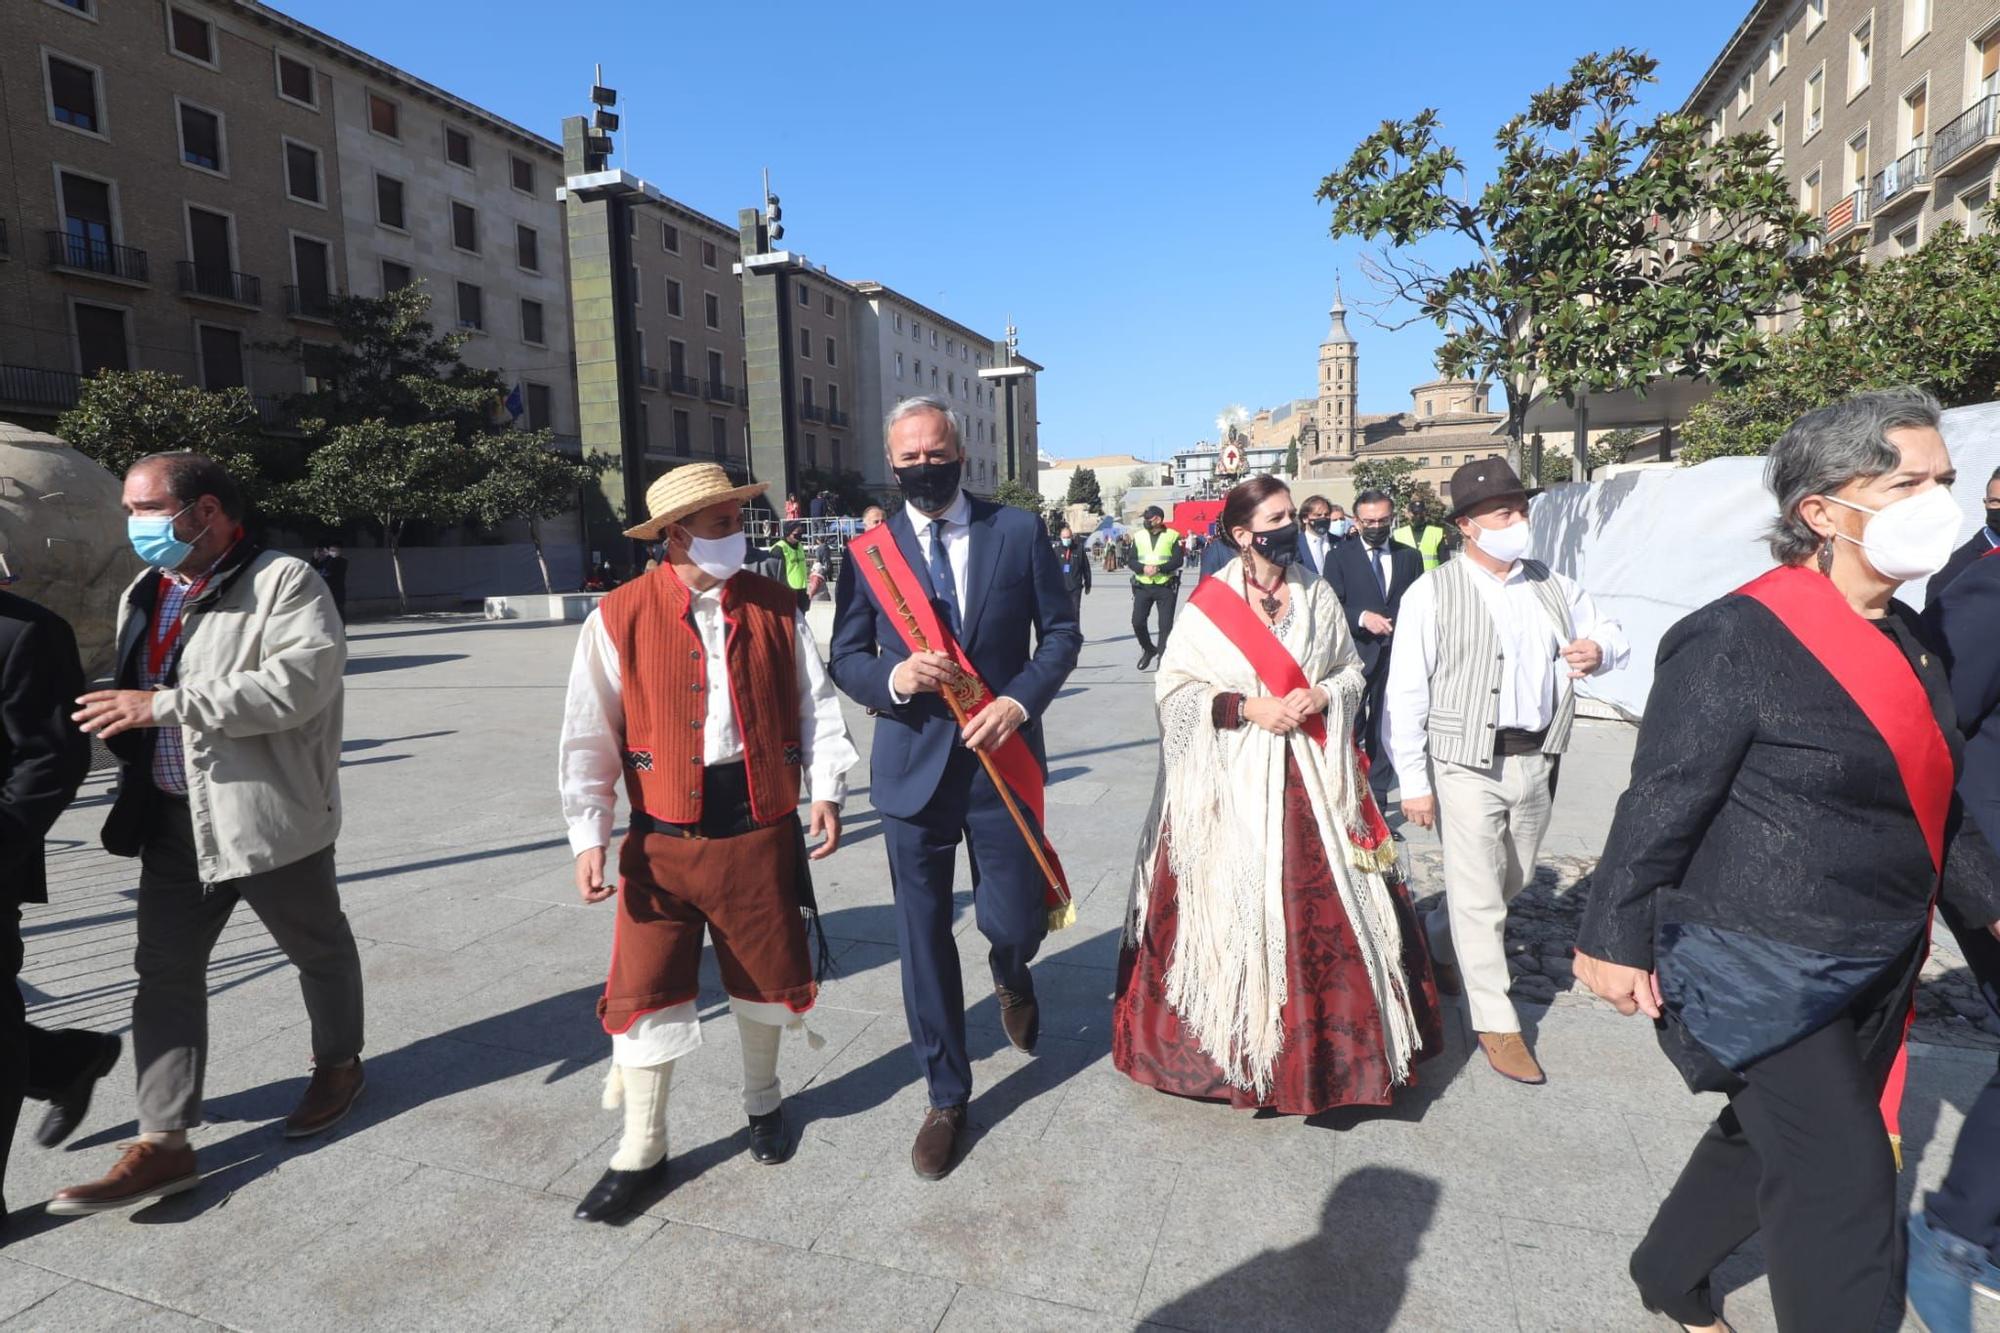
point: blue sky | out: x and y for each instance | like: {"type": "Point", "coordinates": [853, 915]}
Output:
{"type": "Point", "coordinates": [1131, 183]}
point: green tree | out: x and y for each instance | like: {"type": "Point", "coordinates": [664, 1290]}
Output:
{"type": "Point", "coordinates": [1012, 492]}
{"type": "Point", "coordinates": [1602, 255]}
{"type": "Point", "coordinates": [1083, 490]}
{"type": "Point", "coordinates": [1292, 458]}
{"type": "Point", "coordinates": [390, 475]}
{"type": "Point", "coordinates": [1558, 465]}
{"type": "Point", "coordinates": [1931, 318]}
{"type": "Point", "coordinates": [390, 364]}
{"type": "Point", "coordinates": [521, 474]}
{"type": "Point", "coordinates": [1397, 476]}
{"type": "Point", "coordinates": [123, 415]}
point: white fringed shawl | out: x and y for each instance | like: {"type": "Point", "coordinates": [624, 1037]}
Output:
{"type": "Point", "coordinates": [1220, 802]}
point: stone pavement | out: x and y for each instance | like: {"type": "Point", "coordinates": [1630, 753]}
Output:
{"type": "Point", "coordinates": [1085, 1202]}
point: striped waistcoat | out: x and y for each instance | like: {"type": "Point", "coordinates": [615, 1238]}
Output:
{"type": "Point", "coordinates": [1465, 683]}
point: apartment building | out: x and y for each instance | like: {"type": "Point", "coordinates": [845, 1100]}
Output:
{"type": "Point", "coordinates": [190, 182]}
{"type": "Point", "coordinates": [821, 322]}
{"type": "Point", "coordinates": [1886, 115]}
{"type": "Point", "coordinates": [907, 349]}
{"type": "Point", "coordinates": [688, 306]}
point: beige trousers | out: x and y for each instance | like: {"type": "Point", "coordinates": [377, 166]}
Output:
{"type": "Point", "coordinates": [1491, 821]}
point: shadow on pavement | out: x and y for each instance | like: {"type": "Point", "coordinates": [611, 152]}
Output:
{"type": "Point", "coordinates": [363, 666]}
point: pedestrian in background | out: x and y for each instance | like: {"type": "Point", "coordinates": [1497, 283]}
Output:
{"type": "Point", "coordinates": [1429, 539]}
{"type": "Point", "coordinates": [871, 518]}
{"type": "Point", "coordinates": [331, 566]}
{"type": "Point", "coordinates": [1370, 577]}
{"type": "Point", "coordinates": [791, 506]}
{"type": "Point", "coordinates": [226, 725]}
{"type": "Point", "coordinates": [1769, 873]}
{"type": "Point", "coordinates": [1481, 696]}
{"type": "Point", "coordinates": [1156, 583]}
{"type": "Point", "coordinates": [1075, 569]}
{"type": "Point", "coordinates": [791, 548]}
{"type": "Point", "coordinates": [1316, 534]}
{"type": "Point", "coordinates": [1982, 542]}
{"type": "Point", "coordinates": [44, 758]}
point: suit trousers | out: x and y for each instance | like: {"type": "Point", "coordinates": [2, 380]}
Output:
{"type": "Point", "coordinates": [34, 1062]}
{"type": "Point", "coordinates": [1800, 1158]}
{"type": "Point", "coordinates": [1007, 903]}
{"type": "Point", "coordinates": [1967, 1203]}
{"type": "Point", "coordinates": [1368, 717]}
{"type": "Point", "coordinates": [1491, 821]}
{"type": "Point", "coordinates": [180, 919]}
{"type": "Point", "coordinates": [1146, 596]}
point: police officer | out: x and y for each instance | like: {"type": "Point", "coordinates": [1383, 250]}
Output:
{"type": "Point", "coordinates": [1156, 581]}
{"type": "Point", "coordinates": [1427, 537]}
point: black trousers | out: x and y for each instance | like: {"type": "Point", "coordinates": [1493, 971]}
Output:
{"type": "Point", "coordinates": [1368, 718]}
{"type": "Point", "coordinates": [1801, 1157]}
{"type": "Point", "coordinates": [33, 1062]}
{"type": "Point", "coordinates": [1146, 596]}
{"type": "Point", "coordinates": [1967, 1204]}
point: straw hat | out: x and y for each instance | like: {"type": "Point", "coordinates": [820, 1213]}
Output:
{"type": "Point", "coordinates": [685, 490]}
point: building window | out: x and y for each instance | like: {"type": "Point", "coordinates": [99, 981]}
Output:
{"type": "Point", "coordinates": [212, 251]}
{"type": "Point", "coordinates": [523, 174]}
{"type": "Point", "coordinates": [683, 433]}
{"type": "Point", "coordinates": [707, 254]}
{"type": "Point", "coordinates": [829, 303]}
{"type": "Point", "coordinates": [1987, 52]}
{"type": "Point", "coordinates": [833, 398]}
{"type": "Point", "coordinates": [531, 323]}
{"type": "Point", "coordinates": [191, 36]}
{"type": "Point", "coordinates": [899, 365]}
{"type": "Point", "coordinates": [1916, 21]}
{"type": "Point", "coordinates": [899, 321]}
{"type": "Point", "coordinates": [220, 352]}
{"type": "Point", "coordinates": [389, 202]}
{"type": "Point", "coordinates": [464, 227]}
{"type": "Point", "coordinates": [302, 178]}
{"type": "Point", "coordinates": [382, 116]}
{"type": "Point", "coordinates": [1860, 58]}
{"type": "Point", "coordinates": [1905, 241]}
{"type": "Point", "coordinates": [806, 391]}
{"type": "Point", "coordinates": [718, 435]}
{"type": "Point", "coordinates": [395, 276]}
{"type": "Point", "coordinates": [1973, 205]}
{"type": "Point", "coordinates": [670, 238]}
{"type": "Point", "coordinates": [674, 298]}
{"type": "Point", "coordinates": [831, 358]}
{"type": "Point", "coordinates": [1776, 131]}
{"type": "Point", "coordinates": [297, 82]}
{"type": "Point", "coordinates": [1810, 198]}
{"type": "Point", "coordinates": [540, 403]}
{"type": "Point", "coordinates": [805, 297]}
{"type": "Point", "coordinates": [1815, 16]}
{"type": "Point", "coordinates": [1857, 163]}
{"type": "Point", "coordinates": [527, 248]}
{"type": "Point", "coordinates": [312, 272]}
{"type": "Point", "coordinates": [1423, 461]}
{"type": "Point", "coordinates": [1916, 116]}
{"type": "Point", "coordinates": [1746, 92]}
{"type": "Point", "coordinates": [73, 98]}
{"type": "Point", "coordinates": [711, 310]}
{"type": "Point", "coordinates": [471, 307]}
{"type": "Point", "coordinates": [933, 340]}
{"type": "Point", "coordinates": [1781, 49]}
{"type": "Point", "coordinates": [100, 338]}
{"type": "Point", "coordinates": [458, 147]}
{"type": "Point", "coordinates": [916, 331]}
{"type": "Point", "coordinates": [84, 7]}
{"type": "Point", "coordinates": [201, 138]}
{"type": "Point", "coordinates": [1445, 461]}
{"type": "Point", "coordinates": [1815, 102]}
{"type": "Point", "coordinates": [715, 367]}
{"type": "Point", "coordinates": [806, 343]}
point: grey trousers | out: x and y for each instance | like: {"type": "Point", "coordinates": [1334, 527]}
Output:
{"type": "Point", "coordinates": [180, 919]}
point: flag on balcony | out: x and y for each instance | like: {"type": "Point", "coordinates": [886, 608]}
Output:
{"type": "Point", "coordinates": [1841, 216]}
{"type": "Point", "coordinates": [515, 407]}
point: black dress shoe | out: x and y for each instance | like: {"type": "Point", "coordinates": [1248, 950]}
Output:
{"type": "Point", "coordinates": [70, 1104]}
{"type": "Point", "coordinates": [1020, 1016]}
{"type": "Point", "coordinates": [1145, 661]}
{"type": "Point", "coordinates": [769, 1143]}
{"type": "Point", "coordinates": [613, 1195]}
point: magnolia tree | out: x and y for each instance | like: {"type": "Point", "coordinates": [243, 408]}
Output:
{"type": "Point", "coordinates": [391, 475]}
{"type": "Point", "coordinates": [123, 415]}
{"type": "Point", "coordinates": [1604, 253]}
{"type": "Point", "coordinates": [523, 475]}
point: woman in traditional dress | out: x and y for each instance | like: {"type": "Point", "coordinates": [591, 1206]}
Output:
{"type": "Point", "coordinates": [1766, 886]}
{"type": "Point", "coordinates": [1271, 955]}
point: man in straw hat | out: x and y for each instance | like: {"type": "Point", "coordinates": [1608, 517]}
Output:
{"type": "Point", "coordinates": [700, 687]}
{"type": "Point", "coordinates": [951, 622]}
{"type": "Point", "coordinates": [1479, 704]}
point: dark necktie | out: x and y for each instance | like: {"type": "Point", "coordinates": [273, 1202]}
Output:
{"type": "Point", "coordinates": [1381, 574]}
{"type": "Point", "coordinates": [941, 580]}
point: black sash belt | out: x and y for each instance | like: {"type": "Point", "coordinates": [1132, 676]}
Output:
{"type": "Point", "coordinates": [1512, 740]}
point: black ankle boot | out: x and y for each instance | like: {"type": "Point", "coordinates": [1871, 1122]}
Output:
{"type": "Point", "coordinates": [769, 1143]}
{"type": "Point", "coordinates": [615, 1193]}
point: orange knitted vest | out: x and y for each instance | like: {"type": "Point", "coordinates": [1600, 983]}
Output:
{"type": "Point", "coordinates": [664, 682]}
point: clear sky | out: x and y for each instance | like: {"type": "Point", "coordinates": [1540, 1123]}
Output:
{"type": "Point", "coordinates": [1132, 184]}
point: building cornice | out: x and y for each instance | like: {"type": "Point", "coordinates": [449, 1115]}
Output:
{"type": "Point", "coordinates": [1750, 31]}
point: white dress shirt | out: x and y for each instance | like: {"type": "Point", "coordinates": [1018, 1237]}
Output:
{"type": "Point", "coordinates": [1534, 670]}
{"type": "Point", "coordinates": [1320, 547]}
{"type": "Point", "coordinates": [957, 539]}
{"type": "Point", "coordinates": [591, 754]}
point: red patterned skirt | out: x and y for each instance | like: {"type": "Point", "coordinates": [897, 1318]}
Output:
{"type": "Point", "coordinates": [1332, 1052]}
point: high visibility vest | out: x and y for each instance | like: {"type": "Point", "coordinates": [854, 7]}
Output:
{"type": "Point", "coordinates": [796, 565]}
{"type": "Point", "coordinates": [1150, 550]}
{"type": "Point", "coordinates": [1428, 545]}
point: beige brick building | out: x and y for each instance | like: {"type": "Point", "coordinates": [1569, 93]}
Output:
{"type": "Point", "coordinates": [1886, 114]}
{"type": "Point", "coordinates": [690, 316]}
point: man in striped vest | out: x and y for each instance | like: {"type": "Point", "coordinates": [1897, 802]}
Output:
{"type": "Point", "coordinates": [698, 688]}
{"type": "Point", "coordinates": [1479, 705]}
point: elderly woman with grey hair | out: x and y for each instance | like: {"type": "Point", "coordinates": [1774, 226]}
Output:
{"type": "Point", "coordinates": [1765, 892]}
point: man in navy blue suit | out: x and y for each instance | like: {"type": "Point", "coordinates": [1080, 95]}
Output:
{"type": "Point", "coordinates": [1370, 576]}
{"type": "Point", "coordinates": [990, 575]}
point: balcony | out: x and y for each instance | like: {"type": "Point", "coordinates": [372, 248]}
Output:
{"type": "Point", "coordinates": [218, 284]}
{"type": "Point", "coordinates": [72, 253]}
{"type": "Point", "coordinates": [835, 417]}
{"type": "Point", "coordinates": [680, 382]}
{"type": "Point", "coordinates": [720, 391]}
{"type": "Point", "coordinates": [310, 303]}
{"type": "Point", "coordinates": [1846, 214]}
{"type": "Point", "coordinates": [811, 412]}
{"type": "Point", "coordinates": [1969, 138]}
{"type": "Point", "coordinates": [1903, 181]}
{"type": "Point", "coordinates": [27, 386]}
{"type": "Point", "coordinates": [649, 377]}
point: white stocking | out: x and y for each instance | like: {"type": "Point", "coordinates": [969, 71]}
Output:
{"type": "Point", "coordinates": [645, 1095]}
{"type": "Point", "coordinates": [762, 1093]}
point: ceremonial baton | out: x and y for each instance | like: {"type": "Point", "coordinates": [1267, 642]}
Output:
{"type": "Point", "coordinates": [958, 712]}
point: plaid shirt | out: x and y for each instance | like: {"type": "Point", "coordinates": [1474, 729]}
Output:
{"type": "Point", "coordinates": [169, 751]}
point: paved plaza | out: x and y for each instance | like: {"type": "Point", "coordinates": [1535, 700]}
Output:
{"type": "Point", "coordinates": [1084, 1202]}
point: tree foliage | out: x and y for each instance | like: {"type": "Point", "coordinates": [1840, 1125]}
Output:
{"type": "Point", "coordinates": [1084, 490]}
{"type": "Point", "coordinates": [522, 475]}
{"type": "Point", "coordinates": [1012, 492]}
{"type": "Point", "coordinates": [1397, 476]}
{"type": "Point", "coordinates": [1559, 463]}
{"type": "Point", "coordinates": [391, 364]}
{"type": "Point", "coordinates": [1603, 254]}
{"type": "Point", "coordinates": [123, 415]}
{"type": "Point", "coordinates": [1931, 318]}
{"type": "Point", "coordinates": [390, 475]}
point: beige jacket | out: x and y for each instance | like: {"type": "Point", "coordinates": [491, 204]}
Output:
{"type": "Point", "coordinates": [258, 698]}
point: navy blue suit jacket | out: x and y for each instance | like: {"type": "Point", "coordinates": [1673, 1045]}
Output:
{"type": "Point", "coordinates": [1352, 573]}
{"type": "Point", "coordinates": [1020, 632]}
{"type": "Point", "coordinates": [1965, 621]}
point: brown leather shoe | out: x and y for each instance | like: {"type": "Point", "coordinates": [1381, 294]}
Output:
{"type": "Point", "coordinates": [147, 1171]}
{"type": "Point", "coordinates": [937, 1141]}
{"type": "Point", "coordinates": [1020, 1016]}
{"type": "Point", "coordinates": [329, 1097]}
{"type": "Point", "coordinates": [1510, 1057]}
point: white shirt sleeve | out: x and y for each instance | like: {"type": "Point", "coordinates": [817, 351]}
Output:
{"type": "Point", "coordinates": [826, 750]}
{"type": "Point", "coordinates": [590, 755]}
{"type": "Point", "coordinates": [1406, 700]}
{"type": "Point", "coordinates": [1607, 634]}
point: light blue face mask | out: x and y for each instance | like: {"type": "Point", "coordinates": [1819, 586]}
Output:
{"type": "Point", "coordinates": [152, 536]}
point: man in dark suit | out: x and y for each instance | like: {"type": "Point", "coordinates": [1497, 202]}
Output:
{"type": "Point", "coordinates": [1370, 577]}
{"type": "Point", "coordinates": [1317, 543]}
{"type": "Point", "coordinates": [1984, 540]}
{"type": "Point", "coordinates": [43, 760]}
{"type": "Point", "coordinates": [990, 576]}
{"type": "Point", "coordinates": [1075, 563]}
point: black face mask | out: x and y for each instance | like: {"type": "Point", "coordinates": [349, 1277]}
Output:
{"type": "Point", "coordinates": [1375, 536]}
{"type": "Point", "coordinates": [1993, 517]}
{"type": "Point", "coordinates": [1320, 525]}
{"type": "Point", "coordinates": [1280, 546]}
{"type": "Point", "coordinates": [929, 486]}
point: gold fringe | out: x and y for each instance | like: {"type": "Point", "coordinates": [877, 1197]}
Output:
{"type": "Point", "coordinates": [1381, 859]}
{"type": "Point", "coordinates": [1896, 1147]}
{"type": "Point", "coordinates": [1062, 916]}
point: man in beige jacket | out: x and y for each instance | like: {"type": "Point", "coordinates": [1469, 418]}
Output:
{"type": "Point", "coordinates": [227, 730]}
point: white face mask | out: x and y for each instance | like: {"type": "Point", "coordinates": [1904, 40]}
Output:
{"type": "Point", "coordinates": [1909, 539]}
{"type": "Point", "coordinates": [1506, 544]}
{"type": "Point", "coordinates": [718, 557]}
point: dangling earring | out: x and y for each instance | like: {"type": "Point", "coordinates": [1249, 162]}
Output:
{"type": "Point", "coordinates": [1825, 560]}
